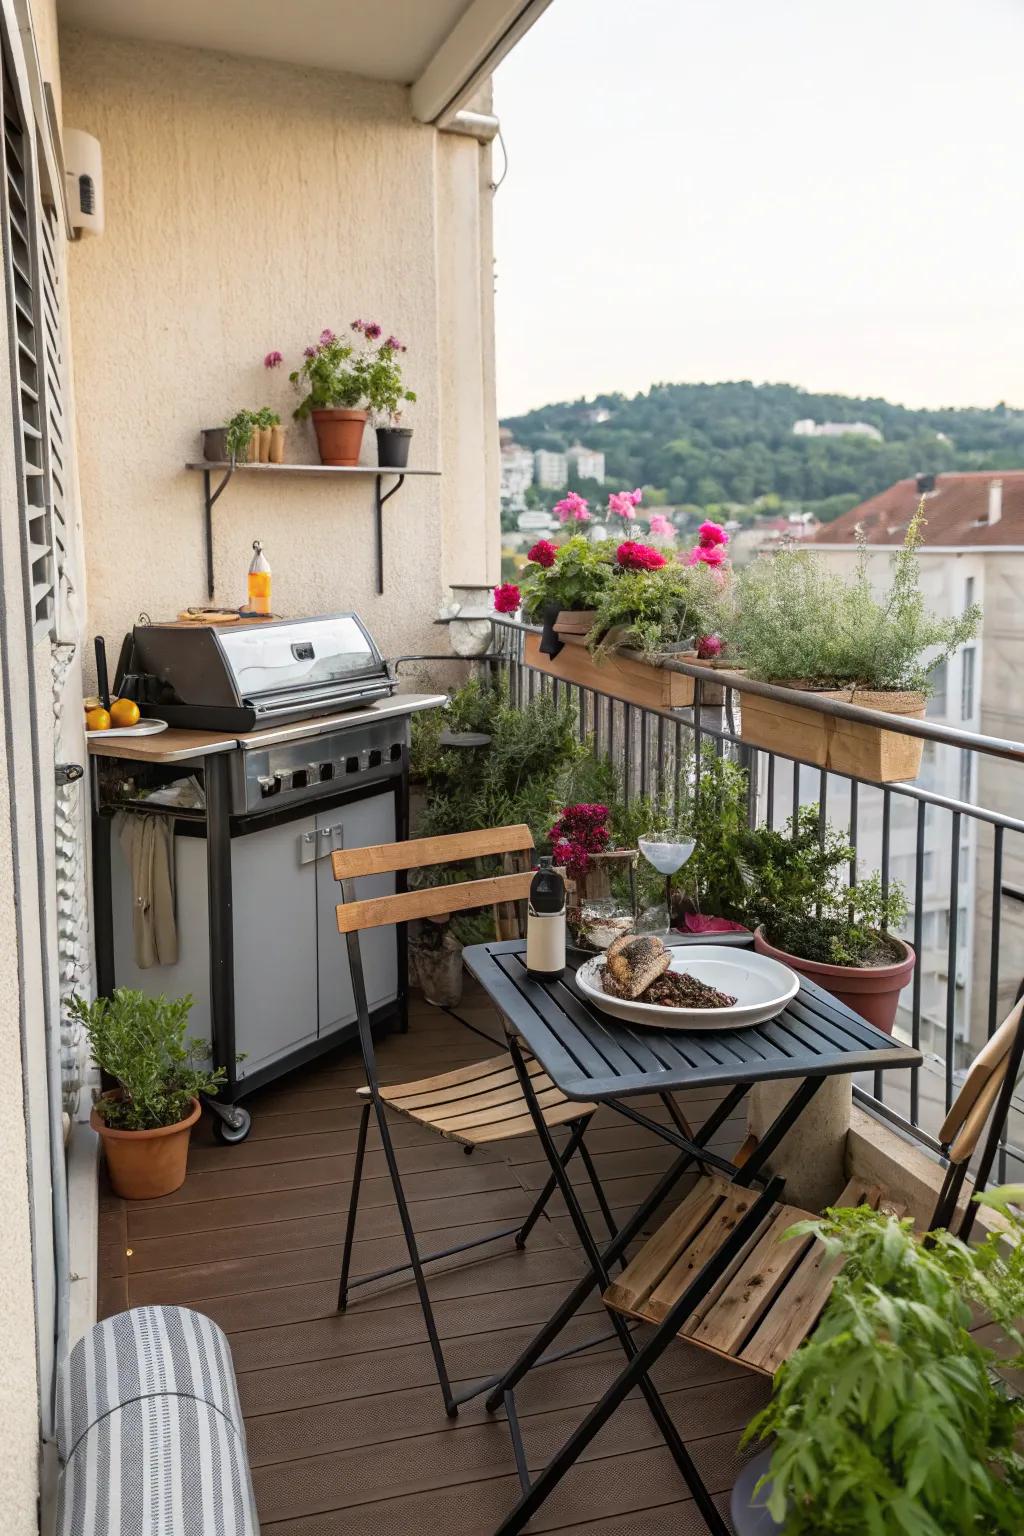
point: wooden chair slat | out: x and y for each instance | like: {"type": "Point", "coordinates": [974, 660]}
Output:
{"type": "Point", "coordinates": [696, 1253]}
{"type": "Point", "coordinates": [522, 1125]}
{"type": "Point", "coordinates": [976, 1118]}
{"type": "Point", "coordinates": [440, 1110]}
{"type": "Point", "coordinates": [631, 1291]}
{"type": "Point", "coordinates": [421, 852]}
{"type": "Point", "coordinates": [754, 1286]}
{"type": "Point", "coordinates": [436, 901]}
{"type": "Point", "coordinates": [469, 1120]}
{"type": "Point", "coordinates": [990, 1060]}
{"type": "Point", "coordinates": [456, 1084]}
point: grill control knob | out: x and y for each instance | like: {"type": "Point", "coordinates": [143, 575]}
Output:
{"type": "Point", "coordinates": [284, 778]}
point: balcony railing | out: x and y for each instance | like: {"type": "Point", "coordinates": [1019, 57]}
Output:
{"type": "Point", "coordinates": [950, 854]}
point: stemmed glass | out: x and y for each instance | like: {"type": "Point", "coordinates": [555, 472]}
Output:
{"type": "Point", "coordinates": [667, 853]}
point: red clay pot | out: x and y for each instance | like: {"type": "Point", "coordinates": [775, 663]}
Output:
{"type": "Point", "coordinates": [339, 435]}
{"type": "Point", "coordinates": [143, 1165]}
{"type": "Point", "coordinates": [873, 991]}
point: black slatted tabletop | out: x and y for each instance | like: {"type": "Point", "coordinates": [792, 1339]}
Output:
{"type": "Point", "coordinates": [591, 1056]}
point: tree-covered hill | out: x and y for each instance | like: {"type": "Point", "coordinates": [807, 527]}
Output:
{"type": "Point", "coordinates": [705, 444]}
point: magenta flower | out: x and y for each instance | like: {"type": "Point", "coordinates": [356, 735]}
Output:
{"type": "Point", "coordinates": [327, 336]}
{"type": "Point", "coordinates": [639, 557]}
{"type": "Point", "coordinates": [372, 330]}
{"type": "Point", "coordinates": [708, 647]}
{"type": "Point", "coordinates": [309, 351]}
{"type": "Point", "coordinates": [507, 597]}
{"type": "Point", "coordinates": [707, 554]}
{"type": "Point", "coordinates": [660, 526]}
{"type": "Point", "coordinates": [543, 553]}
{"type": "Point", "coordinates": [357, 325]}
{"type": "Point", "coordinates": [273, 360]}
{"type": "Point", "coordinates": [579, 833]}
{"type": "Point", "coordinates": [624, 503]}
{"type": "Point", "coordinates": [711, 533]}
{"type": "Point", "coordinates": [573, 508]}
{"type": "Point", "coordinates": [395, 345]}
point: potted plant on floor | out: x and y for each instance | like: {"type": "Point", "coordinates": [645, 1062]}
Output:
{"type": "Point", "coordinates": [813, 921]}
{"type": "Point", "coordinates": [385, 396]}
{"type": "Point", "coordinates": [891, 1418]}
{"type": "Point", "coordinates": [145, 1122]}
{"type": "Point", "coordinates": [800, 624]}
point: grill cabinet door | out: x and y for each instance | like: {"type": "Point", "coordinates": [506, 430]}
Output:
{"type": "Point", "coordinates": [358, 825]}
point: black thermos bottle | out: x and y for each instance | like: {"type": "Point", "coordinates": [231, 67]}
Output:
{"type": "Point", "coordinates": [545, 923]}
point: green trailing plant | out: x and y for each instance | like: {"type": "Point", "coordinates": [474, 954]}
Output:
{"type": "Point", "coordinates": [797, 620]}
{"type": "Point", "coordinates": [656, 610]}
{"type": "Point", "coordinates": [713, 881]}
{"type": "Point", "coordinates": [890, 1420]}
{"type": "Point", "coordinates": [797, 889]}
{"type": "Point", "coordinates": [579, 573]}
{"type": "Point", "coordinates": [142, 1043]}
{"type": "Point", "coordinates": [239, 430]}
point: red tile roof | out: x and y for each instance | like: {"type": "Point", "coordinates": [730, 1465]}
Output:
{"type": "Point", "coordinates": [956, 513]}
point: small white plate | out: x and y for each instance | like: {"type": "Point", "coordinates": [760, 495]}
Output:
{"type": "Point", "coordinates": [143, 728]}
{"type": "Point", "coordinates": [761, 986]}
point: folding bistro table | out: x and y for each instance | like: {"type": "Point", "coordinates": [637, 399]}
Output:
{"type": "Point", "coordinates": [592, 1057]}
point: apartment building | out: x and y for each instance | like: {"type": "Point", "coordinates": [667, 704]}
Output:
{"type": "Point", "coordinates": [586, 463]}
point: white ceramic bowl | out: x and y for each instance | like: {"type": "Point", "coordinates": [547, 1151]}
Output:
{"type": "Point", "coordinates": [761, 986]}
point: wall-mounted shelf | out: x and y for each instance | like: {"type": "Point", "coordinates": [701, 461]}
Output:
{"type": "Point", "coordinates": [207, 467]}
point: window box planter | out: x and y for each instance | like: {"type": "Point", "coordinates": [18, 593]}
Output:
{"type": "Point", "coordinates": [621, 677]}
{"type": "Point", "coordinates": [842, 746]}
{"type": "Point", "coordinates": [873, 991]}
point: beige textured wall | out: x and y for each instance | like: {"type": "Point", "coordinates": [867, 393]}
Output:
{"type": "Point", "coordinates": [248, 205]}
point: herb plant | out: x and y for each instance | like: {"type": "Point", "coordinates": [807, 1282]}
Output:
{"type": "Point", "coordinates": [798, 620]}
{"type": "Point", "coordinates": [654, 610]}
{"type": "Point", "coordinates": [889, 1421]}
{"type": "Point", "coordinates": [713, 880]}
{"type": "Point", "coordinates": [796, 888]}
{"type": "Point", "coordinates": [141, 1042]}
{"type": "Point", "coordinates": [241, 427]}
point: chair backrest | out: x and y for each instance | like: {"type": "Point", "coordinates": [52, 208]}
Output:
{"type": "Point", "coordinates": [970, 1110]}
{"type": "Point", "coordinates": [430, 901]}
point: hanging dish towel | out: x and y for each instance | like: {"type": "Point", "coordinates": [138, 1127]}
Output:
{"type": "Point", "coordinates": [148, 844]}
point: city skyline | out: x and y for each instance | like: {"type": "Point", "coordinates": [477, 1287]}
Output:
{"type": "Point", "coordinates": [764, 193]}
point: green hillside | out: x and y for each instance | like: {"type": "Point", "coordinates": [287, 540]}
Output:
{"type": "Point", "coordinates": [701, 445]}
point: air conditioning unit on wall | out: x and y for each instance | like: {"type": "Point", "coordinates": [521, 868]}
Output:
{"type": "Point", "coordinates": [83, 177]}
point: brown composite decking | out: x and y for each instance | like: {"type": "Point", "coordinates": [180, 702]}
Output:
{"type": "Point", "coordinates": [347, 1434]}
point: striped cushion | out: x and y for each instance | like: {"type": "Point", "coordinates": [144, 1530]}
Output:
{"type": "Point", "coordinates": [150, 1432]}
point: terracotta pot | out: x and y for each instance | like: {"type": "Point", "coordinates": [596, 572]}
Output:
{"type": "Point", "coordinates": [146, 1164]}
{"type": "Point", "coordinates": [339, 435]}
{"type": "Point", "coordinates": [873, 991]}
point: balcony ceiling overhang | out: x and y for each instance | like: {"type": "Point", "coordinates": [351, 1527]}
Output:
{"type": "Point", "coordinates": [443, 49]}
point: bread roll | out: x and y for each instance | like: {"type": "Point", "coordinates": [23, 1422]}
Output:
{"type": "Point", "coordinates": [633, 962]}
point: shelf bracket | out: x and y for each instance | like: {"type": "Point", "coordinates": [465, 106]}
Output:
{"type": "Point", "coordinates": [209, 497]}
{"type": "Point", "coordinates": [378, 512]}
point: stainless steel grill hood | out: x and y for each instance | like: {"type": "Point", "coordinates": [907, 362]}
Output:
{"type": "Point", "coordinates": [242, 676]}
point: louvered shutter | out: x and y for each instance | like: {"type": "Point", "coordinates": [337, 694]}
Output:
{"type": "Point", "coordinates": [26, 305]}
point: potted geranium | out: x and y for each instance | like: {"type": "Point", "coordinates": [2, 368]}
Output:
{"type": "Point", "coordinates": [813, 921]}
{"type": "Point", "coordinates": [562, 585]}
{"type": "Point", "coordinates": [385, 396]}
{"type": "Point", "coordinates": [145, 1122]}
{"type": "Point", "coordinates": [801, 624]}
{"type": "Point", "coordinates": [892, 1416]}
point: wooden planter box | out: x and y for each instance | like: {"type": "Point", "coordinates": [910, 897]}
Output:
{"type": "Point", "coordinates": [621, 677]}
{"type": "Point", "coordinates": [842, 746]}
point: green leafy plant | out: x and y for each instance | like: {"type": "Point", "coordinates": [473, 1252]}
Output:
{"type": "Point", "coordinates": [796, 887]}
{"type": "Point", "coordinates": [656, 610]}
{"type": "Point", "coordinates": [889, 1420]}
{"type": "Point", "coordinates": [338, 374]}
{"type": "Point", "coordinates": [243, 424]}
{"type": "Point", "coordinates": [141, 1042]}
{"type": "Point", "coordinates": [580, 573]}
{"type": "Point", "coordinates": [799, 620]}
{"type": "Point", "coordinates": [713, 881]}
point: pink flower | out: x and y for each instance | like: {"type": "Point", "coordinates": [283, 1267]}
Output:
{"type": "Point", "coordinates": [395, 345]}
{"type": "Point", "coordinates": [708, 647]}
{"type": "Point", "coordinates": [624, 503]}
{"type": "Point", "coordinates": [310, 351]}
{"type": "Point", "coordinates": [372, 330]}
{"type": "Point", "coordinates": [543, 553]}
{"type": "Point", "coordinates": [573, 508]}
{"type": "Point", "coordinates": [358, 325]}
{"type": "Point", "coordinates": [327, 336]}
{"type": "Point", "coordinates": [507, 597]}
{"type": "Point", "coordinates": [712, 554]}
{"type": "Point", "coordinates": [579, 832]}
{"type": "Point", "coordinates": [711, 533]}
{"type": "Point", "coordinates": [639, 557]}
{"type": "Point", "coordinates": [660, 526]}
{"type": "Point", "coordinates": [273, 360]}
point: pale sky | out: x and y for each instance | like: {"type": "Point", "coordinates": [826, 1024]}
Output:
{"type": "Point", "coordinates": [803, 191]}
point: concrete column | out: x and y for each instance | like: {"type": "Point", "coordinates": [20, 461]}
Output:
{"type": "Point", "coordinates": [812, 1157]}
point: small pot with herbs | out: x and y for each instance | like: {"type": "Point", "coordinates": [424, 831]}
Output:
{"type": "Point", "coordinates": [250, 437]}
{"type": "Point", "coordinates": [800, 624]}
{"type": "Point", "coordinates": [146, 1120]}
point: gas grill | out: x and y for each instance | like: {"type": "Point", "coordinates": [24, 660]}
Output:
{"type": "Point", "coordinates": [255, 673]}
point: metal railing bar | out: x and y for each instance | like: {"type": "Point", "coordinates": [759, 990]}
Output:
{"type": "Point", "coordinates": [895, 1118]}
{"type": "Point", "coordinates": [771, 790]}
{"type": "Point", "coordinates": [951, 954]}
{"type": "Point", "coordinates": [915, 1014]}
{"type": "Point", "coordinates": [997, 917]}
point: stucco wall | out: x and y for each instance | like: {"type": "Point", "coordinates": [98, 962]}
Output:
{"type": "Point", "coordinates": [247, 206]}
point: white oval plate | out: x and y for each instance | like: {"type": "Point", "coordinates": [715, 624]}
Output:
{"type": "Point", "coordinates": [143, 728]}
{"type": "Point", "coordinates": [761, 986]}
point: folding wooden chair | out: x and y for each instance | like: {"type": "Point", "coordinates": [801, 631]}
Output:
{"type": "Point", "coordinates": [772, 1295]}
{"type": "Point", "coordinates": [471, 1105]}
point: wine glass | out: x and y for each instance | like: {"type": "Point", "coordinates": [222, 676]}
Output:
{"type": "Point", "coordinates": [667, 853]}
